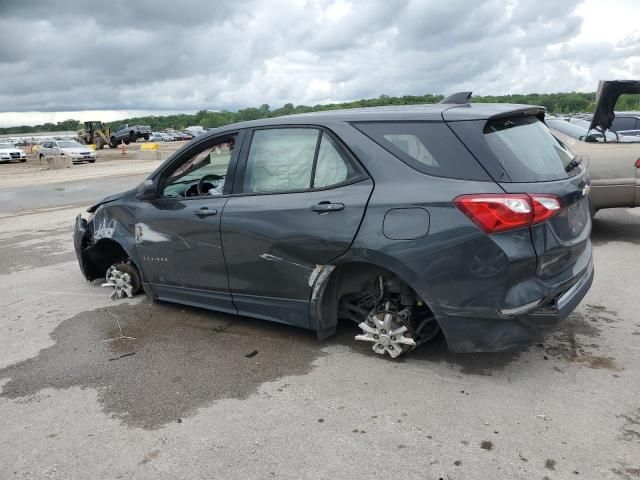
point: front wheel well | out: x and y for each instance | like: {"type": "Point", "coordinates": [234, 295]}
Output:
{"type": "Point", "coordinates": [100, 256]}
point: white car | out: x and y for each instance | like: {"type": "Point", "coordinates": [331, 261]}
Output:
{"type": "Point", "coordinates": [70, 148]}
{"type": "Point", "coordinates": [9, 152]}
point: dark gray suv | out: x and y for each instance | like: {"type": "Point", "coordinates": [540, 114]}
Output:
{"type": "Point", "coordinates": [467, 218]}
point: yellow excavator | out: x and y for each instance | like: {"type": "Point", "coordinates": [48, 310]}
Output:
{"type": "Point", "coordinates": [95, 133]}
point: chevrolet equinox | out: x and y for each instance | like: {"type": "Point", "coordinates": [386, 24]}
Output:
{"type": "Point", "coordinates": [470, 219]}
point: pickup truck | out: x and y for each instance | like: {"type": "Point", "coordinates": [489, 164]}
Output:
{"type": "Point", "coordinates": [129, 133]}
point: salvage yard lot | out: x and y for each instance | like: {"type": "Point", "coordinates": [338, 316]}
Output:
{"type": "Point", "coordinates": [92, 388]}
{"type": "Point", "coordinates": [110, 163]}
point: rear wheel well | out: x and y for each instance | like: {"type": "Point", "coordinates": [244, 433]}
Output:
{"type": "Point", "coordinates": [360, 279]}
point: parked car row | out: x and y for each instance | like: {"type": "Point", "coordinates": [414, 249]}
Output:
{"type": "Point", "coordinates": [624, 124]}
{"type": "Point", "coordinates": [171, 135]}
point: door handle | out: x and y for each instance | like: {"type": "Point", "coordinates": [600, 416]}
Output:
{"type": "Point", "coordinates": [205, 212]}
{"type": "Point", "coordinates": [323, 207]}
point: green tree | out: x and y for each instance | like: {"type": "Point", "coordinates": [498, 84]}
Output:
{"type": "Point", "coordinates": [567, 102]}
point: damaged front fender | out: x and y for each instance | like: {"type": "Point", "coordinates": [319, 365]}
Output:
{"type": "Point", "coordinates": [103, 239]}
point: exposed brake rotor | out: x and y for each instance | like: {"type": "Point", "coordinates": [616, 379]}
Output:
{"type": "Point", "coordinates": [389, 332]}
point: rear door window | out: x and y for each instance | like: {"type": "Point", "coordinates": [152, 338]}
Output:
{"type": "Point", "coordinates": [280, 160]}
{"type": "Point", "coordinates": [429, 147]}
{"type": "Point", "coordinates": [526, 149]}
{"type": "Point", "coordinates": [331, 167]}
{"type": "Point", "coordinates": [294, 159]}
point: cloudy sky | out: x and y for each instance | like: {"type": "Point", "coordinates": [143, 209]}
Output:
{"type": "Point", "coordinates": [108, 60]}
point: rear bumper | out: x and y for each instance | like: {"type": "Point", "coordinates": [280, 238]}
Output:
{"type": "Point", "coordinates": [466, 335]}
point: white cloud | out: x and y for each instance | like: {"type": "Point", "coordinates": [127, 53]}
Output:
{"type": "Point", "coordinates": [8, 119]}
{"type": "Point", "coordinates": [125, 56]}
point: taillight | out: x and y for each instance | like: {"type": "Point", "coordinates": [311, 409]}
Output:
{"type": "Point", "coordinates": [544, 207]}
{"type": "Point", "coordinates": [638, 163]}
{"type": "Point", "coordinates": [500, 212]}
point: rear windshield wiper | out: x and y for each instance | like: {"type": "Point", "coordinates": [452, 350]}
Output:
{"type": "Point", "coordinates": [573, 164]}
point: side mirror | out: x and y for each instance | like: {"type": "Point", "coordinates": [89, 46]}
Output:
{"type": "Point", "coordinates": [147, 190]}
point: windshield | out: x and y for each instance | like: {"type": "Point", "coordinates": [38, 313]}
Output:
{"type": "Point", "coordinates": [69, 144]}
{"type": "Point", "coordinates": [527, 150]}
{"type": "Point", "coordinates": [571, 129]}
{"type": "Point", "coordinates": [594, 133]}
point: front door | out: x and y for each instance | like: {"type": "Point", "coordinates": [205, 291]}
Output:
{"type": "Point", "coordinates": [178, 233]}
{"type": "Point", "coordinates": [298, 202]}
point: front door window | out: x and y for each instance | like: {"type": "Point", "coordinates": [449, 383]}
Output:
{"type": "Point", "coordinates": [203, 174]}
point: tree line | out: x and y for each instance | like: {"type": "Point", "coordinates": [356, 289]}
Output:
{"type": "Point", "coordinates": [558, 103]}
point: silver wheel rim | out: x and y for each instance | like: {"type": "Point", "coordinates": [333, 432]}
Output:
{"type": "Point", "coordinates": [120, 282]}
{"type": "Point", "coordinates": [387, 333]}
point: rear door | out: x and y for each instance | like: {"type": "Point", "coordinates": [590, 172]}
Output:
{"type": "Point", "coordinates": [298, 201]}
{"type": "Point", "coordinates": [524, 157]}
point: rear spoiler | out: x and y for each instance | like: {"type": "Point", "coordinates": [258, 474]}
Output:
{"type": "Point", "coordinates": [523, 112]}
{"type": "Point", "coordinates": [606, 98]}
{"type": "Point", "coordinates": [464, 99]}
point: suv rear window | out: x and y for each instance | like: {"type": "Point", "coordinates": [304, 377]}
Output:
{"type": "Point", "coordinates": [429, 147]}
{"type": "Point", "coordinates": [526, 149]}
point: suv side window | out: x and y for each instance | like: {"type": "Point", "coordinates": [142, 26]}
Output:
{"type": "Point", "coordinates": [429, 147]}
{"type": "Point", "coordinates": [202, 174]}
{"type": "Point", "coordinates": [293, 159]}
{"type": "Point", "coordinates": [331, 167]}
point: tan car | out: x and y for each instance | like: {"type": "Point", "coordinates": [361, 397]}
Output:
{"type": "Point", "coordinates": [614, 165]}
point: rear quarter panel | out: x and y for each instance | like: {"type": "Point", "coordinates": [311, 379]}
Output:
{"type": "Point", "coordinates": [454, 265]}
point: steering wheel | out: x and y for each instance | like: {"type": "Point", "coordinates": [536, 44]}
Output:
{"type": "Point", "coordinates": [209, 176]}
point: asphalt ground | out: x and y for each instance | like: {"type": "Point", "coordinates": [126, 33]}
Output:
{"type": "Point", "coordinates": [55, 195]}
{"type": "Point", "coordinates": [91, 388]}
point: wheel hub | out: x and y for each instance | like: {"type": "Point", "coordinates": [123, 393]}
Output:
{"type": "Point", "coordinates": [120, 282]}
{"type": "Point", "coordinates": [388, 333]}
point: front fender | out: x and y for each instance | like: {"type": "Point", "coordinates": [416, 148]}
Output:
{"type": "Point", "coordinates": [97, 239]}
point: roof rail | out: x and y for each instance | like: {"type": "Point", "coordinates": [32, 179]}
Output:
{"type": "Point", "coordinates": [459, 98]}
